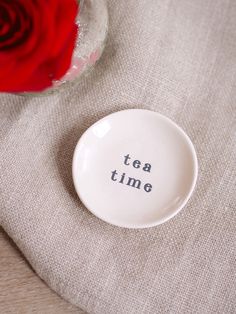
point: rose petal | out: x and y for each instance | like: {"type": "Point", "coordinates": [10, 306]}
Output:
{"type": "Point", "coordinates": [31, 62]}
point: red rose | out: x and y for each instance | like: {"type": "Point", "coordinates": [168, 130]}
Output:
{"type": "Point", "coordinates": [37, 38]}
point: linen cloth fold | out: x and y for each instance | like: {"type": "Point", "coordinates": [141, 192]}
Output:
{"type": "Point", "coordinates": [174, 57]}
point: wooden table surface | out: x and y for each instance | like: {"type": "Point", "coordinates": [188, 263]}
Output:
{"type": "Point", "coordinates": [21, 290]}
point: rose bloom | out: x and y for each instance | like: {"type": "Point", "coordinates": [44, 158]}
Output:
{"type": "Point", "coordinates": [37, 38]}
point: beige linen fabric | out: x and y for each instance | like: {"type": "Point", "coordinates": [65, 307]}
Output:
{"type": "Point", "coordinates": [175, 57]}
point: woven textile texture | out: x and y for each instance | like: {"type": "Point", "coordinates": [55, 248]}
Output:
{"type": "Point", "coordinates": [174, 57]}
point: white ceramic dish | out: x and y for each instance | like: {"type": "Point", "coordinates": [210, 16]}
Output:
{"type": "Point", "coordinates": [135, 168]}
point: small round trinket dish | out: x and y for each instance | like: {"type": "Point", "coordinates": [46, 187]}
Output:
{"type": "Point", "coordinates": [135, 168]}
